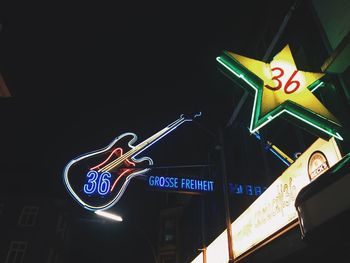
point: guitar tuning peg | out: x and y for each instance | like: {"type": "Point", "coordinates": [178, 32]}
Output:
{"type": "Point", "coordinates": [191, 116]}
{"type": "Point", "coordinates": [197, 115]}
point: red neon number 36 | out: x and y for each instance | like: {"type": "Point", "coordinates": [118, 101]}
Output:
{"type": "Point", "coordinates": [290, 86]}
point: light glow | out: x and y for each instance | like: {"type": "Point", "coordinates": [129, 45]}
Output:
{"type": "Point", "coordinates": [279, 156]}
{"type": "Point", "coordinates": [317, 86]}
{"type": "Point", "coordinates": [276, 151]}
{"type": "Point", "coordinates": [109, 215]}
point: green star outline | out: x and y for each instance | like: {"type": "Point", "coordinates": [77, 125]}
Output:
{"type": "Point", "coordinates": [254, 85]}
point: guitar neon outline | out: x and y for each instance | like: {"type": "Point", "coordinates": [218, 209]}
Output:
{"type": "Point", "coordinates": [109, 165]}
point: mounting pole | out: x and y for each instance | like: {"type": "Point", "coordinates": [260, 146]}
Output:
{"type": "Point", "coordinates": [226, 197]}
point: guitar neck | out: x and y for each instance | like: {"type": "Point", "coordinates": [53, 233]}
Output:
{"type": "Point", "coordinates": [157, 136]}
{"type": "Point", "coordinates": [145, 144]}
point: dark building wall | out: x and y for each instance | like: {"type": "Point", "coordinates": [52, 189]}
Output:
{"type": "Point", "coordinates": [44, 230]}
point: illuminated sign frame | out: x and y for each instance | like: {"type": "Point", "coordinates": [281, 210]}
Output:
{"type": "Point", "coordinates": [288, 92]}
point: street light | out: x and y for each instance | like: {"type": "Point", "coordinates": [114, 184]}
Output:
{"type": "Point", "coordinates": [109, 215]}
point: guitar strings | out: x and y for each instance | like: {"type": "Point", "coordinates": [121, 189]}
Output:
{"type": "Point", "coordinates": [122, 158]}
{"type": "Point", "coordinates": [125, 156]}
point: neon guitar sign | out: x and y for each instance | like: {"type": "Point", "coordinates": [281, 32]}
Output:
{"type": "Point", "coordinates": [98, 179]}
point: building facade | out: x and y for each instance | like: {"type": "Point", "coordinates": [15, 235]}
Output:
{"type": "Point", "coordinates": [33, 230]}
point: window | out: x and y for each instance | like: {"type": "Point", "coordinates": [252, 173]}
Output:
{"type": "Point", "coordinates": [169, 230]}
{"type": "Point", "coordinates": [28, 216]}
{"type": "Point", "coordinates": [16, 252]}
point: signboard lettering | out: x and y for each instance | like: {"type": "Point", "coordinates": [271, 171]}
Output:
{"type": "Point", "coordinates": [180, 184]}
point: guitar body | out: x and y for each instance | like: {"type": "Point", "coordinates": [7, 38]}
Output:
{"type": "Point", "coordinates": [98, 179]}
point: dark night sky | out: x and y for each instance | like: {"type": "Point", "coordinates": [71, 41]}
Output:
{"type": "Point", "coordinates": [81, 73]}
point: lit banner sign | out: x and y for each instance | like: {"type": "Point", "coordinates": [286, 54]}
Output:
{"type": "Point", "coordinates": [274, 208]}
{"type": "Point", "coordinates": [180, 184]}
{"type": "Point", "coordinates": [216, 252]}
{"type": "Point", "coordinates": [279, 88]}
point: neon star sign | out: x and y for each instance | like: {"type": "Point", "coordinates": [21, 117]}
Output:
{"type": "Point", "coordinates": [280, 89]}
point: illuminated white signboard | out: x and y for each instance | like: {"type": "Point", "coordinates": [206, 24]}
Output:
{"type": "Point", "coordinates": [198, 259]}
{"type": "Point", "coordinates": [216, 252]}
{"type": "Point", "coordinates": [275, 209]}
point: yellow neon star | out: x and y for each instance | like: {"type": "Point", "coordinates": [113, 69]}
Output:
{"type": "Point", "coordinates": [279, 87]}
{"type": "Point", "coordinates": [272, 98]}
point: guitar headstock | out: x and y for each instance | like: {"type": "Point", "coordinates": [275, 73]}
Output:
{"type": "Point", "coordinates": [191, 117]}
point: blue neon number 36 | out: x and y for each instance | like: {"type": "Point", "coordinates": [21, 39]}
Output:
{"type": "Point", "coordinates": [97, 182]}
